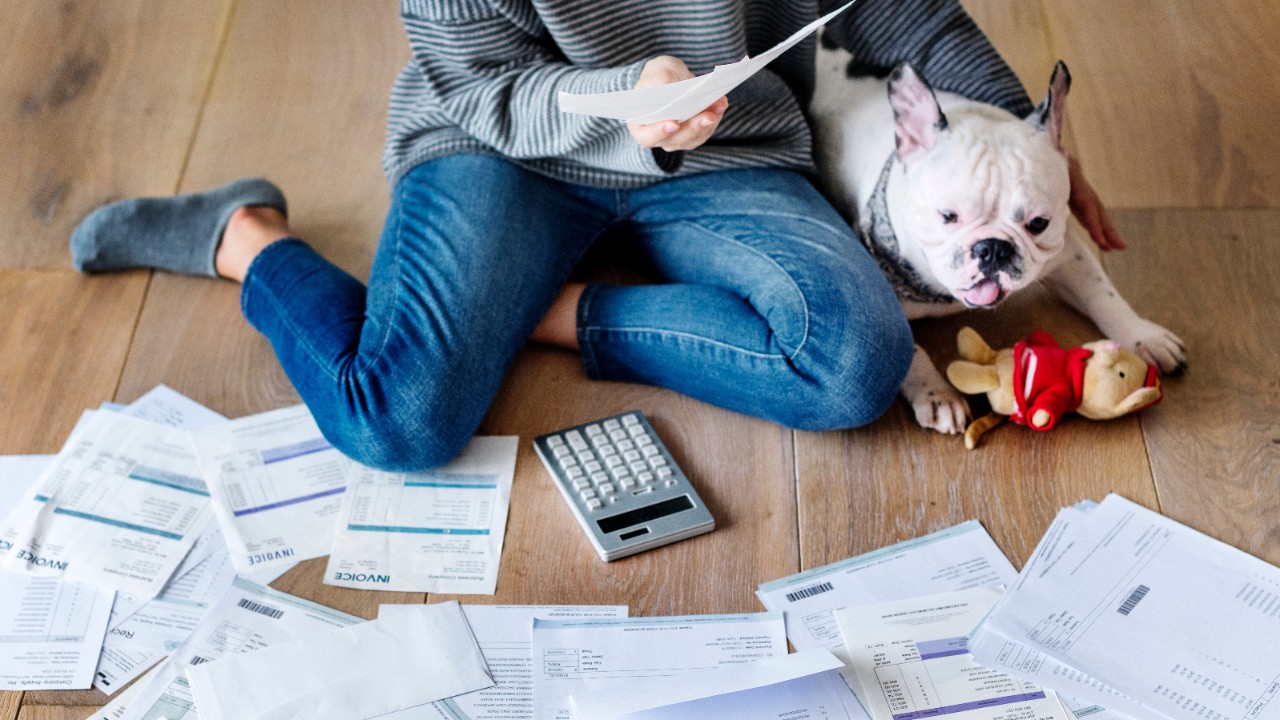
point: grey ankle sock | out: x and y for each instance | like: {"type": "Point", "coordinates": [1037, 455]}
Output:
{"type": "Point", "coordinates": [178, 234]}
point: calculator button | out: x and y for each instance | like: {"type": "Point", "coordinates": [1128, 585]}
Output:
{"type": "Point", "coordinates": [599, 477]}
{"type": "Point", "coordinates": [607, 450]}
{"type": "Point", "coordinates": [613, 461]}
{"type": "Point", "coordinates": [645, 478]}
{"type": "Point", "coordinates": [637, 431]}
{"type": "Point", "coordinates": [555, 441]}
{"type": "Point", "coordinates": [630, 420]}
{"type": "Point", "coordinates": [625, 445]}
{"type": "Point", "coordinates": [650, 450]}
{"type": "Point", "coordinates": [561, 451]}
{"type": "Point", "coordinates": [599, 440]}
{"type": "Point", "coordinates": [612, 424]}
{"type": "Point", "coordinates": [568, 461]}
{"type": "Point", "coordinates": [581, 484]}
{"type": "Point", "coordinates": [606, 488]}
{"type": "Point", "coordinates": [587, 494]}
{"type": "Point", "coordinates": [594, 504]}
{"type": "Point", "coordinates": [664, 473]}
{"type": "Point", "coordinates": [573, 472]}
{"type": "Point", "coordinates": [626, 483]}
{"type": "Point", "coordinates": [639, 466]}
{"type": "Point", "coordinates": [592, 466]}
{"type": "Point", "coordinates": [643, 440]}
{"type": "Point", "coordinates": [670, 483]}
{"type": "Point", "coordinates": [631, 455]}
{"type": "Point", "coordinates": [657, 461]}
{"type": "Point", "coordinates": [618, 434]}
{"type": "Point", "coordinates": [593, 430]}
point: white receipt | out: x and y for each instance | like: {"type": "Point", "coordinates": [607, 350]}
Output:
{"type": "Point", "coordinates": [911, 661]}
{"type": "Point", "coordinates": [120, 507]}
{"type": "Point", "coordinates": [570, 653]}
{"type": "Point", "coordinates": [277, 486]}
{"type": "Point", "coordinates": [777, 687]}
{"type": "Point", "coordinates": [682, 100]}
{"type": "Point", "coordinates": [438, 531]}
{"type": "Point", "coordinates": [247, 618]}
{"type": "Point", "coordinates": [1186, 624]}
{"type": "Point", "coordinates": [504, 633]}
{"type": "Point", "coordinates": [404, 660]}
{"type": "Point", "coordinates": [50, 630]}
{"type": "Point", "coordinates": [165, 406]}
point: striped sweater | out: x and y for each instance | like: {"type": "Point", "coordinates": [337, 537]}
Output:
{"type": "Point", "coordinates": [485, 74]}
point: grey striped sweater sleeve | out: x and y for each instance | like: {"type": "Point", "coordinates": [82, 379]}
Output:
{"type": "Point", "coordinates": [936, 36]}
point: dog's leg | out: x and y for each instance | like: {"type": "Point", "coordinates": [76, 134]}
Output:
{"type": "Point", "coordinates": [936, 404]}
{"type": "Point", "coordinates": [1079, 279]}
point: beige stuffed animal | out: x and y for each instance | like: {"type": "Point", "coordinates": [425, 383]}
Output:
{"type": "Point", "coordinates": [1037, 381]}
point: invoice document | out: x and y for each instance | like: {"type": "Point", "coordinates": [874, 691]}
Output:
{"type": "Point", "coordinates": [246, 618]}
{"type": "Point", "coordinates": [403, 660]}
{"type": "Point", "coordinates": [911, 662]}
{"type": "Point", "coordinates": [799, 685]}
{"type": "Point", "coordinates": [165, 406]}
{"type": "Point", "coordinates": [277, 486]}
{"type": "Point", "coordinates": [50, 630]}
{"type": "Point", "coordinates": [438, 531]}
{"type": "Point", "coordinates": [568, 653]}
{"type": "Point", "coordinates": [682, 100]}
{"type": "Point", "coordinates": [505, 635]}
{"type": "Point", "coordinates": [1182, 623]}
{"type": "Point", "coordinates": [119, 507]}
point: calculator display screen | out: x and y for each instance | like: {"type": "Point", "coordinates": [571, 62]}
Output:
{"type": "Point", "coordinates": [645, 514]}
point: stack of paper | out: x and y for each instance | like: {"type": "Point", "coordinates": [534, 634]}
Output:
{"type": "Point", "coordinates": [1144, 614]}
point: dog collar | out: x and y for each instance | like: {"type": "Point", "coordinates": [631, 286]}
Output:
{"type": "Point", "coordinates": [876, 232]}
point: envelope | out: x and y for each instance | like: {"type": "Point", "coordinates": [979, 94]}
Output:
{"type": "Point", "coordinates": [390, 664]}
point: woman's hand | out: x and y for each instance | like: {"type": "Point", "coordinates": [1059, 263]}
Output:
{"type": "Point", "coordinates": [1088, 209]}
{"type": "Point", "coordinates": [669, 134]}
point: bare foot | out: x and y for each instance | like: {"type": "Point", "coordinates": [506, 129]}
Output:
{"type": "Point", "coordinates": [249, 231]}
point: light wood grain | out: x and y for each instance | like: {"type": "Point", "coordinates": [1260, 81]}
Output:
{"type": "Point", "coordinates": [51, 712]}
{"type": "Point", "coordinates": [1171, 104]}
{"type": "Point", "coordinates": [863, 489]}
{"type": "Point", "coordinates": [100, 102]}
{"type": "Point", "coordinates": [9, 704]}
{"type": "Point", "coordinates": [63, 341]}
{"type": "Point", "coordinates": [1215, 439]}
{"type": "Point", "coordinates": [741, 467]}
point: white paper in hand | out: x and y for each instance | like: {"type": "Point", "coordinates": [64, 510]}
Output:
{"type": "Point", "coordinates": [400, 661]}
{"type": "Point", "coordinates": [682, 100]}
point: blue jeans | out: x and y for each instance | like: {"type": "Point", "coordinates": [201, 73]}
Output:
{"type": "Point", "coordinates": [768, 305]}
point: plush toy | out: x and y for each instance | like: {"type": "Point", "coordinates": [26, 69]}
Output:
{"type": "Point", "coordinates": [1037, 382]}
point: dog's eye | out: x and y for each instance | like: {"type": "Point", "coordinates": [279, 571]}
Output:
{"type": "Point", "coordinates": [948, 217]}
{"type": "Point", "coordinates": [1122, 373]}
{"type": "Point", "coordinates": [1037, 225]}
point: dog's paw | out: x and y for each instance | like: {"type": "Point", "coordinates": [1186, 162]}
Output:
{"type": "Point", "coordinates": [940, 408]}
{"type": "Point", "coordinates": [1157, 345]}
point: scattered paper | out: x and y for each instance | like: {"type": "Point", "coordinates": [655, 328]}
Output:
{"type": "Point", "coordinates": [277, 486]}
{"type": "Point", "coordinates": [658, 697]}
{"type": "Point", "coordinates": [439, 531]}
{"type": "Point", "coordinates": [404, 660]}
{"type": "Point", "coordinates": [569, 654]}
{"type": "Point", "coordinates": [504, 633]}
{"type": "Point", "coordinates": [682, 100]}
{"type": "Point", "coordinates": [911, 662]}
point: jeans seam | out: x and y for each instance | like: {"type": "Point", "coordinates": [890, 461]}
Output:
{"type": "Point", "coordinates": [363, 370]}
{"type": "Point", "coordinates": [684, 335]}
{"type": "Point", "coordinates": [585, 351]}
{"type": "Point", "coordinates": [804, 301]}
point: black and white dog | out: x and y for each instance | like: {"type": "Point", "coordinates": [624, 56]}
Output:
{"type": "Point", "coordinates": [962, 204]}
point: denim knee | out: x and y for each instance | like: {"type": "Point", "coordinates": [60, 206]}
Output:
{"type": "Point", "coordinates": [403, 439]}
{"type": "Point", "coordinates": [853, 384]}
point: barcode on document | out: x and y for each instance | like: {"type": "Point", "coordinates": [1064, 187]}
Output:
{"type": "Point", "coordinates": [252, 606]}
{"type": "Point", "coordinates": [197, 660]}
{"type": "Point", "coordinates": [1128, 605]}
{"type": "Point", "coordinates": [803, 593]}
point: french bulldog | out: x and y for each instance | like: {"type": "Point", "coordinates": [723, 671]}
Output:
{"type": "Point", "coordinates": [962, 204]}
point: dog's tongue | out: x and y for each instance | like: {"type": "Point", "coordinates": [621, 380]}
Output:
{"type": "Point", "coordinates": [984, 293]}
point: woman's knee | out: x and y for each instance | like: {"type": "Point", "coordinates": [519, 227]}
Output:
{"type": "Point", "coordinates": [407, 437]}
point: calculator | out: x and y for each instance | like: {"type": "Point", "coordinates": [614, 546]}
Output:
{"type": "Point", "coordinates": [622, 484]}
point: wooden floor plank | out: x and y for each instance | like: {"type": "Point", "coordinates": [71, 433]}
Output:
{"type": "Point", "coordinates": [50, 712]}
{"type": "Point", "coordinates": [63, 341]}
{"type": "Point", "coordinates": [1168, 102]}
{"type": "Point", "coordinates": [101, 99]}
{"type": "Point", "coordinates": [1215, 440]}
{"type": "Point", "coordinates": [9, 704]}
{"type": "Point", "coordinates": [863, 489]}
{"type": "Point", "coordinates": [741, 467]}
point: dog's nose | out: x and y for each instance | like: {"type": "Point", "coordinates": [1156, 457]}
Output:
{"type": "Point", "coordinates": [993, 255]}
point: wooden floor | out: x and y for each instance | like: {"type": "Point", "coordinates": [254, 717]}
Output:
{"type": "Point", "coordinates": [1172, 114]}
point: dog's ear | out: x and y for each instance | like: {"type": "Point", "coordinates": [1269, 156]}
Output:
{"type": "Point", "coordinates": [1048, 115]}
{"type": "Point", "coordinates": [917, 118]}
